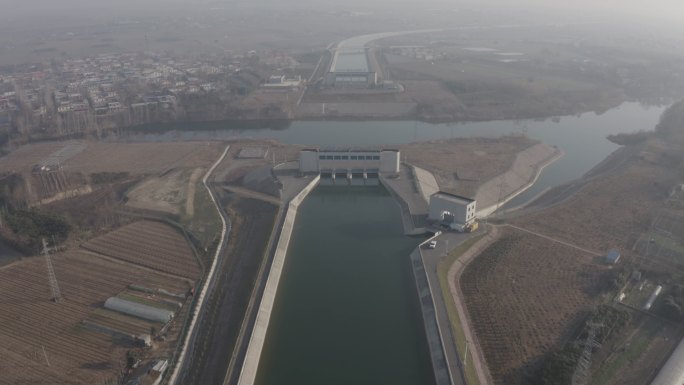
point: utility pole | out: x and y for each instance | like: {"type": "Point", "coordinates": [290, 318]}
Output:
{"type": "Point", "coordinates": [52, 278]}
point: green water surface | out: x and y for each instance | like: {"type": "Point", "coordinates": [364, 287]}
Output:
{"type": "Point", "coordinates": [346, 310]}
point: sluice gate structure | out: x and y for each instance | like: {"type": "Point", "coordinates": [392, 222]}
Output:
{"type": "Point", "coordinates": [349, 167]}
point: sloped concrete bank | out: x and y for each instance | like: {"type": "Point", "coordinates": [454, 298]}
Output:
{"type": "Point", "coordinates": [524, 172]}
{"type": "Point", "coordinates": [440, 366]}
{"type": "Point", "coordinates": [258, 336]}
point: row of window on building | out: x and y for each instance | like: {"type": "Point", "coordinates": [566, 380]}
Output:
{"type": "Point", "coordinates": [349, 157]}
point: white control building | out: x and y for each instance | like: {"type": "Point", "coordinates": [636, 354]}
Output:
{"type": "Point", "coordinates": [452, 209]}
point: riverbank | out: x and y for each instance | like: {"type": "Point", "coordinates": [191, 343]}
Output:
{"type": "Point", "coordinates": [410, 196]}
{"type": "Point", "coordinates": [522, 174]}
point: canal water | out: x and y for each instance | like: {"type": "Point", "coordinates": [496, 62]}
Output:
{"type": "Point", "coordinates": [346, 311]}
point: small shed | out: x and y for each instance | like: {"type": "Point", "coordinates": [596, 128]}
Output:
{"type": "Point", "coordinates": [613, 257]}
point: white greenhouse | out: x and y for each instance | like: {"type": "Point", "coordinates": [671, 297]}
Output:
{"type": "Point", "coordinates": [138, 310]}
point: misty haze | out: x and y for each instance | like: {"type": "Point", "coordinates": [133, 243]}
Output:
{"type": "Point", "coordinates": [331, 193]}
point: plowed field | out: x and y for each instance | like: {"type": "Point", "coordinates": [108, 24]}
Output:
{"type": "Point", "coordinates": [151, 244]}
{"type": "Point", "coordinates": [31, 322]}
{"type": "Point", "coordinates": [525, 296]}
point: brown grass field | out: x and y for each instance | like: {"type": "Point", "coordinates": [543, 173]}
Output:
{"type": "Point", "coordinates": [136, 158]}
{"type": "Point", "coordinates": [611, 211]}
{"type": "Point", "coordinates": [150, 244]}
{"type": "Point", "coordinates": [31, 322]}
{"type": "Point", "coordinates": [465, 160]}
{"type": "Point", "coordinates": [526, 295]}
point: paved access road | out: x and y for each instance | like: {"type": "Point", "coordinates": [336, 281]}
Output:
{"type": "Point", "coordinates": [431, 258]}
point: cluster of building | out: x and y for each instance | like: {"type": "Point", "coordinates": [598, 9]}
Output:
{"type": "Point", "coordinates": [81, 91]}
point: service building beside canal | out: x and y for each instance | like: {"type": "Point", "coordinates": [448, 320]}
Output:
{"type": "Point", "coordinates": [349, 161]}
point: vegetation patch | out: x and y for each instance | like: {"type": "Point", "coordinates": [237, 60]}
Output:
{"type": "Point", "coordinates": [605, 320]}
{"type": "Point", "coordinates": [31, 226]}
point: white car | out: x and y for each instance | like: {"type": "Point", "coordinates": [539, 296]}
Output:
{"type": "Point", "coordinates": [432, 244]}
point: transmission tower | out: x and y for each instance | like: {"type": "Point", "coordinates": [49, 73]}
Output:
{"type": "Point", "coordinates": [52, 278]}
{"type": "Point", "coordinates": [581, 374]}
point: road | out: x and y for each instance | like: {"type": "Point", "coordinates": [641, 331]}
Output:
{"type": "Point", "coordinates": [594, 253]}
{"type": "Point", "coordinates": [209, 285]}
{"type": "Point", "coordinates": [454, 278]}
{"type": "Point", "coordinates": [431, 258]}
{"type": "Point", "coordinates": [252, 194]}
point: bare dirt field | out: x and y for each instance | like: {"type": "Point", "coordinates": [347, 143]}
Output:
{"type": "Point", "coordinates": [465, 163]}
{"type": "Point", "coordinates": [525, 296]}
{"type": "Point", "coordinates": [151, 244]}
{"type": "Point", "coordinates": [169, 193]}
{"type": "Point", "coordinates": [31, 322]}
{"type": "Point", "coordinates": [138, 158]}
{"type": "Point", "coordinates": [611, 211]}
{"type": "Point", "coordinates": [528, 289]}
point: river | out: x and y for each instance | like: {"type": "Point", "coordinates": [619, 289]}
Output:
{"type": "Point", "coordinates": [582, 137]}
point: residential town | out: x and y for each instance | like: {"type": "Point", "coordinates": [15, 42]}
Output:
{"type": "Point", "coordinates": [77, 96]}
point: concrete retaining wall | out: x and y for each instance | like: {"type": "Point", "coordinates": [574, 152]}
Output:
{"type": "Point", "coordinates": [440, 366]}
{"type": "Point", "coordinates": [426, 181]}
{"type": "Point", "coordinates": [258, 337]}
{"type": "Point", "coordinates": [406, 218]}
{"type": "Point", "coordinates": [523, 173]}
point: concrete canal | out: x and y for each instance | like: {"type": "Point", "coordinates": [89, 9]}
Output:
{"type": "Point", "coordinates": [346, 310]}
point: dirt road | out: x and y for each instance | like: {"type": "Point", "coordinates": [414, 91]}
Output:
{"type": "Point", "coordinates": [454, 278]}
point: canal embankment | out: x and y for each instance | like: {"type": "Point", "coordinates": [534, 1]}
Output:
{"type": "Point", "coordinates": [523, 173]}
{"type": "Point", "coordinates": [412, 200]}
{"type": "Point", "coordinates": [258, 335]}
{"type": "Point", "coordinates": [433, 330]}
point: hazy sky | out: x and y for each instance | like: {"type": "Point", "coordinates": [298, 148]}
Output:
{"type": "Point", "coordinates": [639, 10]}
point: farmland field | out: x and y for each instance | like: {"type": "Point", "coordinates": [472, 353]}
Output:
{"type": "Point", "coordinates": [151, 244]}
{"type": "Point", "coordinates": [31, 322]}
{"type": "Point", "coordinates": [525, 296]}
{"type": "Point", "coordinates": [136, 158]}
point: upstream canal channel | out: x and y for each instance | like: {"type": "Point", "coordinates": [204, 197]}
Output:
{"type": "Point", "coordinates": [346, 310]}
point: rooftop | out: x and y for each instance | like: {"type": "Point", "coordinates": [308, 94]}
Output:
{"type": "Point", "coordinates": [453, 197]}
{"type": "Point", "coordinates": [350, 149]}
